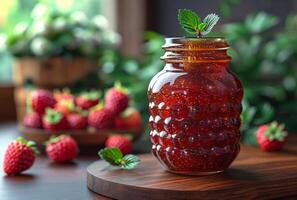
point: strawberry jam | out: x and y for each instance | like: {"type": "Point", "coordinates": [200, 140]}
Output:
{"type": "Point", "coordinates": [195, 106]}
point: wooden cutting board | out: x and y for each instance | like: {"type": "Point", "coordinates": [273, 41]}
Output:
{"type": "Point", "coordinates": [254, 175]}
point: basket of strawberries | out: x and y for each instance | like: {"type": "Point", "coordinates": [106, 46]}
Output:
{"type": "Point", "coordinates": [86, 117]}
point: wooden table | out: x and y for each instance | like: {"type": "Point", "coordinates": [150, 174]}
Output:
{"type": "Point", "coordinates": [46, 180]}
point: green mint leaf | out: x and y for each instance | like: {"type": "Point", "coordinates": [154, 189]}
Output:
{"type": "Point", "coordinates": [129, 162]}
{"type": "Point", "coordinates": [202, 26]}
{"type": "Point", "coordinates": [210, 20]}
{"type": "Point", "coordinates": [188, 20]}
{"type": "Point", "coordinates": [192, 23]}
{"type": "Point", "coordinates": [112, 155]}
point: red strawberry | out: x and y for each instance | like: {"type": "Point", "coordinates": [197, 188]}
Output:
{"type": "Point", "coordinates": [271, 137]}
{"type": "Point", "coordinates": [129, 119]}
{"type": "Point", "coordinates": [77, 121]}
{"type": "Point", "coordinates": [63, 95]}
{"type": "Point", "coordinates": [65, 106]}
{"type": "Point", "coordinates": [32, 120]}
{"type": "Point", "coordinates": [19, 156]}
{"type": "Point", "coordinates": [54, 120]}
{"type": "Point", "coordinates": [87, 100]}
{"type": "Point", "coordinates": [120, 141]}
{"type": "Point", "coordinates": [117, 99]}
{"type": "Point", "coordinates": [62, 148]}
{"type": "Point", "coordinates": [41, 99]}
{"type": "Point", "coordinates": [101, 118]}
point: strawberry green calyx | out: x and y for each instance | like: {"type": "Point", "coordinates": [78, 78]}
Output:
{"type": "Point", "coordinates": [28, 143]}
{"type": "Point", "coordinates": [91, 95]}
{"type": "Point", "coordinates": [128, 112]}
{"type": "Point", "coordinates": [118, 86]}
{"type": "Point", "coordinates": [99, 106]}
{"type": "Point", "coordinates": [55, 139]}
{"type": "Point", "coordinates": [69, 104]}
{"type": "Point", "coordinates": [276, 131]}
{"type": "Point", "coordinates": [53, 116]}
{"type": "Point", "coordinates": [82, 112]}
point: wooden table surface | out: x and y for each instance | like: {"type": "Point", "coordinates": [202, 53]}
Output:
{"type": "Point", "coordinates": [46, 180]}
{"type": "Point", "coordinates": [253, 175]}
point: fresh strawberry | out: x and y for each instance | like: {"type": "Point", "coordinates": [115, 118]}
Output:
{"type": "Point", "coordinates": [87, 100]}
{"type": "Point", "coordinates": [117, 99]}
{"type": "Point", "coordinates": [77, 121]}
{"type": "Point", "coordinates": [19, 156]}
{"type": "Point", "coordinates": [271, 137]}
{"type": "Point", "coordinates": [42, 99]}
{"type": "Point", "coordinates": [65, 106]}
{"type": "Point", "coordinates": [63, 95]}
{"type": "Point", "coordinates": [62, 148]}
{"type": "Point", "coordinates": [54, 120]}
{"type": "Point", "coordinates": [101, 118]}
{"type": "Point", "coordinates": [32, 120]}
{"type": "Point", "coordinates": [120, 141]}
{"type": "Point", "coordinates": [129, 119]}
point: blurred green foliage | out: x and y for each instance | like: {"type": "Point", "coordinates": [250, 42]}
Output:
{"type": "Point", "coordinates": [226, 6]}
{"type": "Point", "coordinates": [19, 17]}
{"type": "Point", "coordinates": [51, 32]}
{"type": "Point", "coordinates": [265, 61]}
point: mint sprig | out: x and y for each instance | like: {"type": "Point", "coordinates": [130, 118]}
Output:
{"type": "Point", "coordinates": [115, 157]}
{"type": "Point", "coordinates": [193, 25]}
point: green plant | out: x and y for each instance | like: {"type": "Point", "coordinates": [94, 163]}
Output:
{"type": "Point", "coordinates": [265, 61]}
{"type": "Point", "coordinates": [193, 25]}
{"type": "Point", "coordinates": [50, 32]}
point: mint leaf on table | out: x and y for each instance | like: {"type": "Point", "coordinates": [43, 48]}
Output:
{"type": "Point", "coordinates": [193, 25]}
{"type": "Point", "coordinates": [115, 157]}
{"type": "Point", "coordinates": [130, 161]}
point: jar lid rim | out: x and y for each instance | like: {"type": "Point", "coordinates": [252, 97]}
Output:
{"type": "Point", "coordinates": [196, 39]}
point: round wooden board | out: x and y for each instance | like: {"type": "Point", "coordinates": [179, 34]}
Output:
{"type": "Point", "coordinates": [82, 137]}
{"type": "Point", "coordinates": [254, 175]}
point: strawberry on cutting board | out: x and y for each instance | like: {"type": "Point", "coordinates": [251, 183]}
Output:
{"type": "Point", "coordinates": [117, 99]}
{"type": "Point", "coordinates": [129, 119]}
{"type": "Point", "coordinates": [87, 100]}
{"type": "Point", "coordinates": [54, 120]}
{"type": "Point", "coordinates": [62, 148]}
{"type": "Point", "coordinates": [271, 137]}
{"type": "Point", "coordinates": [19, 156]}
{"type": "Point", "coordinates": [120, 141]}
{"type": "Point", "coordinates": [42, 99]}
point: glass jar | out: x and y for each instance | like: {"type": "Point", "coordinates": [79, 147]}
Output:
{"type": "Point", "coordinates": [195, 106]}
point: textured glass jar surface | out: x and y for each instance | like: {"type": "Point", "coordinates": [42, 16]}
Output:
{"type": "Point", "coordinates": [195, 106]}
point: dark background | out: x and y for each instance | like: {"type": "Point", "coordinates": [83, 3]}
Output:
{"type": "Point", "coordinates": [161, 14]}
